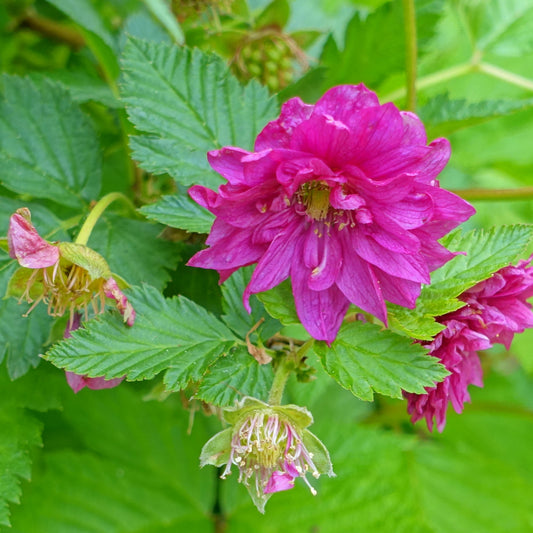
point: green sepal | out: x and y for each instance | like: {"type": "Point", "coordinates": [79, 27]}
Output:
{"type": "Point", "coordinates": [86, 258]}
{"type": "Point", "coordinates": [275, 14]}
{"type": "Point", "coordinates": [319, 452]}
{"type": "Point", "coordinates": [18, 283]}
{"type": "Point", "coordinates": [300, 416]}
{"type": "Point", "coordinates": [217, 449]}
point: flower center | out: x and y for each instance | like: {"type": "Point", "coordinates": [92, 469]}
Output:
{"type": "Point", "coordinates": [314, 196]}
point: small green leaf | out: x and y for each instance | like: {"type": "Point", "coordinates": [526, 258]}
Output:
{"type": "Point", "coordinates": [187, 103]}
{"type": "Point", "coordinates": [443, 116]}
{"type": "Point", "coordinates": [180, 211]}
{"type": "Point", "coordinates": [363, 358]}
{"type": "Point", "coordinates": [48, 147]}
{"type": "Point", "coordinates": [234, 376]}
{"type": "Point", "coordinates": [175, 333]}
{"type": "Point", "coordinates": [279, 303]}
{"type": "Point", "coordinates": [485, 252]}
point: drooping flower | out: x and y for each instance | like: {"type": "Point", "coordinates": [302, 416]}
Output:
{"type": "Point", "coordinates": [77, 382]}
{"type": "Point", "coordinates": [66, 276]}
{"type": "Point", "coordinates": [495, 310]}
{"type": "Point", "coordinates": [270, 446]}
{"type": "Point", "coordinates": [341, 197]}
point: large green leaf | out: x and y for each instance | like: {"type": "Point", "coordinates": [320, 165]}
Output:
{"type": "Point", "coordinates": [48, 147]}
{"type": "Point", "coordinates": [175, 333]}
{"type": "Point", "coordinates": [134, 250]}
{"type": "Point", "coordinates": [180, 211]}
{"type": "Point", "coordinates": [186, 103]}
{"type": "Point", "coordinates": [443, 116]}
{"type": "Point", "coordinates": [131, 467]}
{"type": "Point", "coordinates": [366, 359]}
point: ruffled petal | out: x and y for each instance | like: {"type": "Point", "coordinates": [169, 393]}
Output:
{"type": "Point", "coordinates": [277, 134]}
{"type": "Point", "coordinates": [321, 312]}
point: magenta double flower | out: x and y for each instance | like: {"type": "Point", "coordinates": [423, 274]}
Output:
{"type": "Point", "coordinates": [341, 197]}
{"type": "Point", "coordinates": [495, 310]}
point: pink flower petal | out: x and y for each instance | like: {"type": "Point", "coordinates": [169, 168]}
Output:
{"type": "Point", "coordinates": [26, 245]}
{"type": "Point", "coordinates": [278, 482]}
{"type": "Point", "coordinates": [112, 291]}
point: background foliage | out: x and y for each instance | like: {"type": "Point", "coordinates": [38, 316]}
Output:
{"type": "Point", "coordinates": [128, 95]}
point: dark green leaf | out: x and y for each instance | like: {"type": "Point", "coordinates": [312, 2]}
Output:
{"type": "Point", "coordinates": [48, 147]}
{"type": "Point", "coordinates": [187, 104]}
{"type": "Point", "coordinates": [364, 358]}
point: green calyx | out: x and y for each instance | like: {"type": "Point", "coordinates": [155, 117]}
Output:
{"type": "Point", "coordinates": [86, 258]}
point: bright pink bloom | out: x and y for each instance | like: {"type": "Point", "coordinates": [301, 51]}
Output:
{"type": "Point", "coordinates": [341, 197]}
{"type": "Point", "coordinates": [496, 309]}
{"type": "Point", "coordinates": [77, 382]}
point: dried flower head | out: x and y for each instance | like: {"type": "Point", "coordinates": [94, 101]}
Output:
{"type": "Point", "coordinates": [68, 277]}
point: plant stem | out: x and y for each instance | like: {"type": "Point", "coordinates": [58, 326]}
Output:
{"type": "Point", "coordinates": [96, 213]}
{"type": "Point", "coordinates": [410, 53]}
{"type": "Point", "coordinates": [520, 193]}
{"type": "Point", "coordinates": [52, 29]}
{"type": "Point", "coordinates": [280, 380]}
{"type": "Point", "coordinates": [505, 75]}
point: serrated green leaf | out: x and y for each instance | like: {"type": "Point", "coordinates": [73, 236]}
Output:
{"type": "Point", "coordinates": [486, 252]}
{"type": "Point", "coordinates": [133, 468]}
{"type": "Point", "coordinates": [134, 250]}
{"type": "Point", "coordinates": [187, 104]}
{"type": "Point", "coordinates": [233, 377]}
{"type": "Point", "coordinates": [443, 116]}
{"type": "Point", "coordinates": [174, 333]}
{"type": "Point", "coordinates": [180, 211]}
{"type": "Point", "coordinates": [366, 359]}
{"type": "Point", "coordinates": [48, 147]}
{"type": "Point", "coordinates": [279, 303]}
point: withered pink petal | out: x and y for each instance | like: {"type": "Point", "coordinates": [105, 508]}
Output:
{"type": "Point", "coordinates": [27, 246]}
{"type": "Point", "coordinates": [112, 290]}
{"type": "Point", "coordinates": [77, 382]}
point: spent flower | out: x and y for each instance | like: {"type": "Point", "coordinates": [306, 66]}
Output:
{"type": "Point", "coordinates": [67, 276]}
{"type": "Point", "coordinates": [343, 198]}
{"type": "Point", "coordinates": [495, 310]}
{"type": "Point", "coordinates": [270, 446]}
